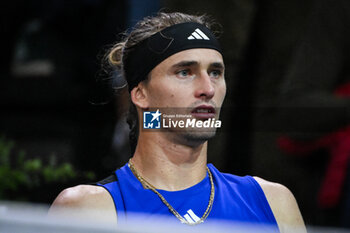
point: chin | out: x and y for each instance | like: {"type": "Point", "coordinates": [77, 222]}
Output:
{"type": "Point", "coordinates": [199, 136]}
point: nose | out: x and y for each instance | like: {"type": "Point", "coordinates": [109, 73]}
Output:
{"type": "Point", "coordinates": [204, 87]}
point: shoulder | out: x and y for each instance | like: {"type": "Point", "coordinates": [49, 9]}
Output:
{"type": "Point", "coordinates": [82, 195]}
{"type": "Point", "coordinates": [283, 205]}
{"type": "Point", "coordinates": [75, 201]}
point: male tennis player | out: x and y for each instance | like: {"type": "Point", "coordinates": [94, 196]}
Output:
{"type": "Point", "coordinates": [173, 62]}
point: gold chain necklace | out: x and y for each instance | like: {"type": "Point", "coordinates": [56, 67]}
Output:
{"type": "Point", "coordinates": [146, 184]}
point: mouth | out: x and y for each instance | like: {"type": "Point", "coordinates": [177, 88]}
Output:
{"type": "Point", "coordinates": [203, 112]}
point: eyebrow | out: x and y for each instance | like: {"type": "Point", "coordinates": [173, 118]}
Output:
{"type": "Point", "coordinates": [218, 65]}
{"type": "Point", "coordinates": [185, 64]}
{"type": "Point", "coordinates": [181, 64]}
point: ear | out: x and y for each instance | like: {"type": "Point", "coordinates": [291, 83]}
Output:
{"type": "Point", "coordinates": [139, 96]}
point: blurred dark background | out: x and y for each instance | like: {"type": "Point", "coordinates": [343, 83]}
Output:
{"type": "Point", "coordinates": [284, 118]}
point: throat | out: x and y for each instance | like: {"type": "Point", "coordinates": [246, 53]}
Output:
{"type": "Point", "coordinates": [170, 166]}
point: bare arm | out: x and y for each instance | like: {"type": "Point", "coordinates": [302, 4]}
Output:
{"type": "Point", "coordinates": [84, 202]}
{"type": "Point", "coordinates": [283, 205]}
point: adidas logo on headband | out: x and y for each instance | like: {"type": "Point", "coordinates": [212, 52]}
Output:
{"type": "Point", "coordinates": [198, 35]}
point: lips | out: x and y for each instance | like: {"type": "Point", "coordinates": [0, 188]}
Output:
{"type": "Point", "coordinates": [203, 112]}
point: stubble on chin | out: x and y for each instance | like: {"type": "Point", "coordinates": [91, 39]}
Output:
{"type": "Point", "coordinates": [195, 138]}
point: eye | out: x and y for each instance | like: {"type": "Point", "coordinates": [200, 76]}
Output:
{"type": "Point", "coordinates": [184, 73]}
{"type": "Point", "coordinates": [215, 73]}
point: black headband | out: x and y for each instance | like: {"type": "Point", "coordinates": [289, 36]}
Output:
{"type": "Point", "coordinates": [146, 55]}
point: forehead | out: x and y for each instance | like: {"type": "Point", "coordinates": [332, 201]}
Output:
{"type": "Point", "coordinates": [201, 55]}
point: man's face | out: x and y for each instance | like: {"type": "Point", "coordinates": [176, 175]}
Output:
{"type": "Point", "coordinates": [191, 81]}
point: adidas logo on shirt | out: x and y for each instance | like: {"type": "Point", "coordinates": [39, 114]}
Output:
{"type": "Point", "coordinates": [198, 35]}
{"type": "Point", "coordinates": [190, 216]}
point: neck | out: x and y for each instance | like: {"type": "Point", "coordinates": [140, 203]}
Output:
{"type": "Point", "coordinates": [169, 165]}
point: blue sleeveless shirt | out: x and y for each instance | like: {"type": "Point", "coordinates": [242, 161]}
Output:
{"type": "Point", "coordinates": [238, 199]}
